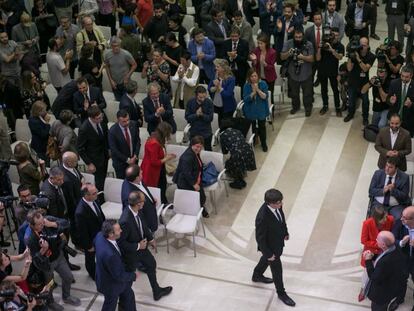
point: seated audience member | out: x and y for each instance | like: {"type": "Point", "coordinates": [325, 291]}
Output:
{"type": "Point", "coordinates": [158, 70]}
{"type": "Point", "coordinates": [157, 108]}
{"type": "Point", "coordinates": [378, 222]}
{"type": "Point", "coordinates": [133, 182]}
{"type": "Point", "coordinates": [190, 169]}
{"type": "Point", "coordinates": [393, 141]}
{"type": "Point", "coordinates": [185, 80]}
{"type": "Point", "coordinates": [31, 170]}
{"type": "Point", "coordinates": [39, 128]}
{"type": "Point", "coordinates": [85, 97]}
{"type": "Point", "coordinates": [153, 165]}
{"type": "Point", "coordinates": [256, 107]}
{"type": "Point", "coordinates": [124, 143]}
{"type": "Point", "coordinates": [129, 104]}
{"type": "Point", "coordinates": [199, 114]}
{"type": "Point", "coordinates": [222, 90]}
{"type": "Point", "coordinates": [241, 154]}
{"type": "Point", "coordinates": [63, 132]}
{"type": "Point", "coordinates": [390, 187]}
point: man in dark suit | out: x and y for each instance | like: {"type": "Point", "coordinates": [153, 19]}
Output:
{"type": "Point", "coordinates": [218, 30]}
{"type": "Point", "coordinates": [358, 18]}
{"type": "Point", "coordinates": [124, 143]}
{"type": "Point", "coordinates": [129, 104]}
{"type": "Point", "coordinates": [246, 6]}
{"type": "Point", "coordinates": [271, 233]}
{"type": "Point", "coordinates": [52, 188]}
{"type": "Point", "coordinates": [390, 187]}
{"type": "Point", "coordinates": [85, 97]}
{"type": "Point", "coordinates": [89, 218]}
{"type": "Point", "coordinates": [401, 98]}
{"type": "Point", "coordinates": [93, 145]}
{"type": "Point", "coordinates": [71, 187]}
{"type": "Point", "coordinates": [133, 182]}
{"type": "Point", "coordinates": [314, 35]}
{"type": "Point", "coordinates": [236, 52]}
{"type": "Point", "coordinates": [134, 240]}
{"type": "Point", "coordinates": [157, 108]}
{"type": "Point", "coordinates": [310, 7]}
{"type": "Point", "coordinates": [112, 280]}
{"type": "Point", "coordinates": [403, 230]}
{"type": "Point", "coordinates": [385, 272]}
{"type": "Point", "coordinates": [288, 19]}
{"type": "Point", "coordinates": [393, 141]}
{"type": "Point", "coordinates": [64, 100]}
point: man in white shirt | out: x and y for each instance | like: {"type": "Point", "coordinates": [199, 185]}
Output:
{"type": "Point", "coordinates": [58, 67]}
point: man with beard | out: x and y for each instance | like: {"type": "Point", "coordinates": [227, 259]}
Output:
{"type": "Point", "coordinates": [157, 27]}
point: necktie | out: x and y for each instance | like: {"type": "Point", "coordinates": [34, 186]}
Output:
{"type": "Point", "coordinates": [156, 103]}
{"type": "Point", "coordinates": [387, 195]}
{"type": "Point", "coordinates": [318, 37]}
{"type": "Point", "coordinates": [98, 128]}
{"type": "Point", "coordinates": [223, 30]}
{"type": "Point", "coordinates": [279, 216]}
{"type": "Point", "coordinates": [97, 211]}
{"type": "Point", "coordinates": [87, 98]}
{"type": "Point", "coordinates": [62, 197]}
{"type": "Point", "coordinates": [117, 248]}
{"type": "Point", "coordinates": [140, 226]}
{"type": "Point", "coordinates": [234, 46]}
{"type": "Point", "coordinates": [403, 96]}
{"type": "Point", "coordinates": [128, 139]}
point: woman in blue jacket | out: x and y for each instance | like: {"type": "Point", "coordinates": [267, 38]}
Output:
{"type": "Point", "coordinates": [256, 106]}
{"type": "Point", "coordinates": [222, 90]}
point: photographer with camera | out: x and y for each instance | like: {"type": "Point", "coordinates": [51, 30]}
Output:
{"type": "Point", "coordinates": [27, 201]}
{"type": "Point", "coordinates": [360, 61]}
{"type": "Point", "coordinates": [379, 84]}
{"type": "Point", "coordinates": [393, 59]}
{"type": "Point", "coordinates": [12, 298]}
{"type": "Point", "coordinates": [299, 55]}
{"type": "Point", "coordinates": [328, 54]}
{"type": "Point", "coordinates": [46, 242]}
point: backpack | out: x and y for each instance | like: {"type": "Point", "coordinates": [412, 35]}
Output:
{"type": "Point", "coordinates": [210, 174]}
{"type": "Point", "coordinates": [371, 132]}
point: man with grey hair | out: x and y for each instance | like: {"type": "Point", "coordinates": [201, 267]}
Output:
{"type": "Point", "coordinates": [120, 65]}
{"type": "Point", "coordinates": [52, 188]}
{"type": "Point", "coordinates": [385, 273]}
{"type": "Point", "coordinates": [157, 108]}
{"type": "Point", "coordinates": [129, 104]}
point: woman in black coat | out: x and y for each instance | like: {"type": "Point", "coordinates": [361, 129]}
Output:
{"type": "Point", "coordinates": [188, 175]}
{"type": "Point", "coordinates": [40, 128]}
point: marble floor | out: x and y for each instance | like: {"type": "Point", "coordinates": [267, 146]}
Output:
{"type": "Point", "coordinates": [323, 166]}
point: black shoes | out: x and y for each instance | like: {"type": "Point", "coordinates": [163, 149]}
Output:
{"type": "Point", "coordinates": [205, 213]}
{"type": "Point", "coordinates": [308, 113]}
{"type": "Point", "coordinates": [375, 36]}
{"type": "Point", "coordinates": [323, 110]}
{"type": "Point", "coordinates": [261, 279]}
{"type": "Point", "coordinates": [365, 122]}
{"type": "Point", "coordinates": [316, 83]}
{"type": "Point", "coordinates": [339, 113]}
{"type": "Point", "coordinates": [293, 110]}
{"type": "Point", "coordinates": [162, 291]}
{"type": "Point", "coordinates": [286, 300]}
{"type": "Point", "coordinates": [264, 148]}
{"type": "Point", "coordinates": [348, 118]}
{"type": "Point", "coordinates": [393, 306]}
{"type": "Point", "coordinates": [74, 267]}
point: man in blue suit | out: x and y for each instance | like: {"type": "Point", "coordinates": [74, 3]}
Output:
{"type": "Point", "coordinates": [390, 187]}
{"type": "Point", "coordinates": [129, 104]}
{"type": "Point", "coordinates": [133, 182]}
{"type": "Point", "coordinates": [111, 278]}
{"type": "Point", "coordinates": [285, 26]}
{"type": "Point", "coordinates": [124, 143]}
{"type": "Point", "coordinates": [203, 52]}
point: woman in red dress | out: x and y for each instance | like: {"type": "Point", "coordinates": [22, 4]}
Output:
{"type": "Point", "coordinates": [153, 164]}
{"type": "Point", "coordinates": [144, 12]}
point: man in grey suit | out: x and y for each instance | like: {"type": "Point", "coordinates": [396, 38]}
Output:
{"type": "Point", "coordinates": [332, 18]}
{"type": "Point", "coordinates": [218, 30]}
{"type": "Point", "coordinates": [393, 141]}
{"type": "Point", "coordinates": [390, 187]}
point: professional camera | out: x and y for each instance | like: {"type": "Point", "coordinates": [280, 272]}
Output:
{"type": "Point", "coordinates": [40, 201]}
{"type": "Point", "coordinates": [7, 294]}
{"type": "Point", "coordinates": [55, 242]}
{"type": "Point", "coordinates": [327, 37]}
{"type": "Point", "coordinates": [376, 81]}
{"type": "Point", "coordinates": [39, 297]}
{"type": "Point", "coordinates": [382, 52]}
{"type": "Point", "coordinates": [353, 47]}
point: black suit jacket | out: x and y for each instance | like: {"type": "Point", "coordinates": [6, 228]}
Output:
{"type": "Point", "coordinates": [149, 211]}
{"type": "Point", "coordinates": [350, 15]}
{"type": "Point", "coordinates": [401, 190]}
{"type": "Point", "coordinates": [231, 7]}
{"type": "Point", "coordinates": [310, 36]}
{"type": "Point", "coordinates": [120, 152]}
{"type": "Point", "coordinates": [407, 112]}
{"type": "Point", "coordinates": [150, 117]}
{"type": "Point", "coordinates": [239, 65]}
{"type": "Point", "coordinates": [56, 203]}
{"type": "Point", "coordinates": [88, 224]}
{"type": "Point", "coordinates": [95, 95]}
{"type": "Point", "coordinates": [64, 100]}
{"type": "Point", "coordinates": [314, 4]}
{"type": "Point", "coordinates": [187, 170]}
{"type": "Point", "coordinates": [400, 231]}
{"type": "Point", "coordinates": [387, 277]}
{"type": "Point", "coordinates": [134, 110]}
{"type": "Point", "coordinates": [214, 33]}
{"type": "Point", "coordinates": [130, 237]}
{"type": "Point", "coordinates": [93, 148]}
{"type": "Point", "coordinates": [72, 190]}
{"type": "Point", "coordinates": [270, 233]}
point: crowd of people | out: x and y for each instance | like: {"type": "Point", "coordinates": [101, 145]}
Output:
{"type": "Point", "coordinates": [202, 71]}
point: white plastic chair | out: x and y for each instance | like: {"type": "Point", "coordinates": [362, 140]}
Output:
{"type": "Point", "coordinates": [106, 31]}
{"type": "Point", "coordinates": [179, 117]}
{"type": "Point", "coordinates": [22, 132]}
{"type": "Point", "coordinates": [156, 193]}
{"type": "Point", "coordinates": [188, 22]}
{"type": "Point", "coordinates": [143, 136]}
{"type": "Point", "coordinates": [111, 109]}
{"type": "Point", "coordinates": [187, 216]}
{"type": "Point", "coordinates": [237, 94]}
{"type": "Point", "coordinates": [410, 167]}
{"type": "Point", "coordinates": [112, 208]}
{"type": "Point", "coordinates": [111, 171]}
{"type": "Point", "coordinates": [178, 150]}
{"type": "Point", "coordinates": [89, 178]}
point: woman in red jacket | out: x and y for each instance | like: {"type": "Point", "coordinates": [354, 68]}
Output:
{"type": "Point", "coordinates": [153, 164]}
{"type": "Point", "coordinates": [264, 58]}
{"type": "Point", "coordinates": [379, 221]}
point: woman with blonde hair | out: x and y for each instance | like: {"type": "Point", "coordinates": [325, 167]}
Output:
{"type": "Point", "coordinates": [39, 127]}
{"type": "Point", "coordinates": [222, 90]}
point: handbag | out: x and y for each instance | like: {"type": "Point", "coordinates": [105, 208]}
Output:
{"type": "Point", "coordinates": [170, 167]}
{"type": "Point", "coordinates": [52, 149]}
{"type": "Point", "coordinates": [210, 174]}
{"type": "Point", "coordinates": [371, 132]}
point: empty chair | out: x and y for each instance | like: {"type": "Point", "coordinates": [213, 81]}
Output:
{"type": "Point", "coordinates": [89, 178]}
{"type": "Point", "coordinates": [188, 22]}
{"type": "Point", "coordinates": [179, 117]}
{"type": "Point", "coordinates": [111, 109]}
{"type": "Point", "coordinates": [22, 132]}
{"type": "Point", "coordinates": [112, 208]}
{"type": "Point", "coordinates": [188, 211]}
{"type": "Point", "coordinates": [237, 94]}
{"type": "Point", "coordinates": [178, 151]}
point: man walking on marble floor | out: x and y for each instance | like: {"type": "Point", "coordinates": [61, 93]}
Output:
{"type": "Point", "coordinates": [271, 233]}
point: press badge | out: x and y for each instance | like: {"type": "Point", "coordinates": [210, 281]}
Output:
{"type": "Point", "coordinates": [362, 75]}
{"type": "Point", "coordinates": [394, 5]}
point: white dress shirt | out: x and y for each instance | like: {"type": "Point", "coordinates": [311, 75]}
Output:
{"type": "Point", "coordinates": [275, 211]}
{"type": "Point", "coordinates": [191, 82]}
{"type": "Point", "coordinates": [113, 242]}
{"type": "Point", "coordinates": [394, 137]}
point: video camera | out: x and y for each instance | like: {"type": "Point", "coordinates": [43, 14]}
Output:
{"type": "Point", "coordinates": [382, 52]}
{"type": "Point", "coordinates": [353, 47]}
{"type": "Point", "coordinates": [376, 81]}
{"type": "Point", "coordinates": [40, 201]}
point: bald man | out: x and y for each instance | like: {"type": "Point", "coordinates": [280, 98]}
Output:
{"type": "Point", "coordinates": [385, 273]}
{"type": "Point", "coordinates": [71, 188]}
{"type": "Point", "coordinates": [404, 235]}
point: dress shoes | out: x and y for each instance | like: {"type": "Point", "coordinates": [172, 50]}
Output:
{"type": "Point", "coordinates": [393, 306]}
{"type": "Point", "coordinates": [286, 300]}
{"type": "Point", "coordinates": [365, 122]}
{"type": "Point", "coordinates": [261, 279]}
{"type": "Point", "coordinates": [323, 110]}
{"type": "Point", "coordinates": [162, 291]}
{"type": "Point", "coordinates": [293, 111]}
{"type": "Point", "coordinates": [308, 113]}
{"type": "Point", "coordinates": [74, 267]}
{"type": "Point", "coordinates": [264, 148]}
{"type": "Point", "coordinates": [205, 213]}
{"type": "Point", "coordinates": [348, 118]}
{"type": "Point", "coordinates": [375, 36]}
